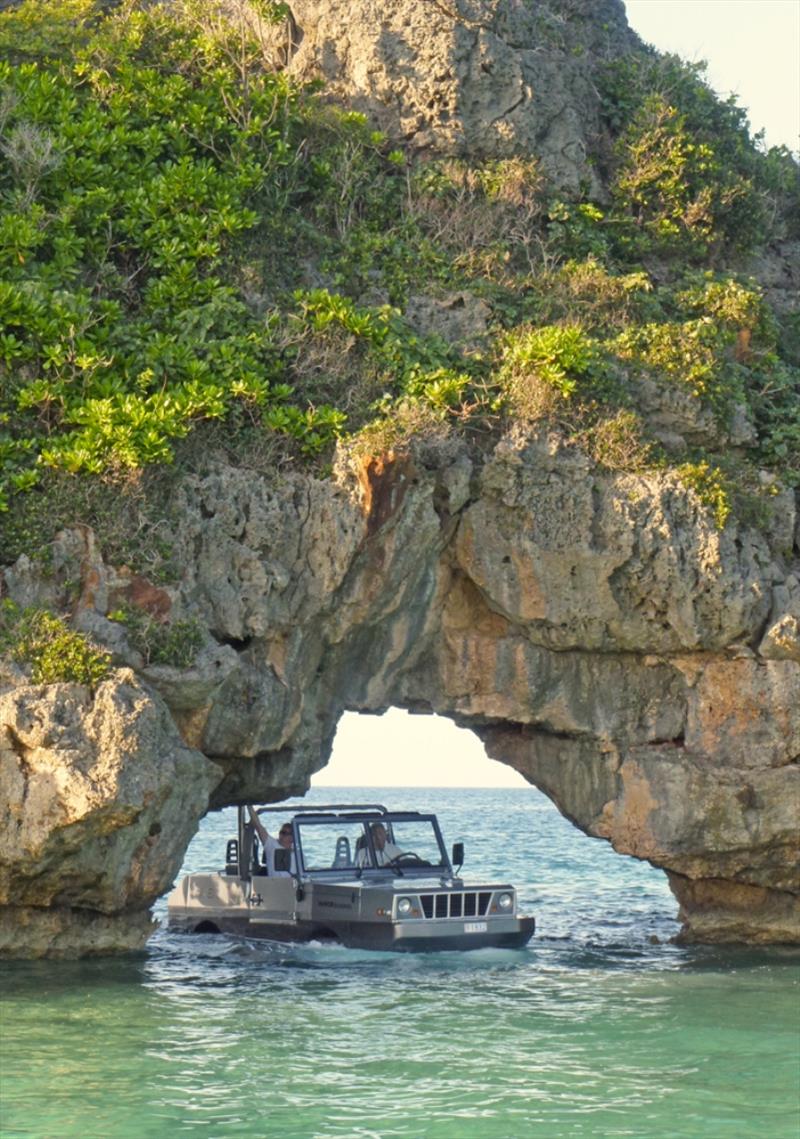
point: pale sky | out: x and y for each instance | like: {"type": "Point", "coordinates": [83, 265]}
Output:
{"type": "Point", "coordinates": [401, 750]}
{"type": "Point", "coordinates": [752, 48]}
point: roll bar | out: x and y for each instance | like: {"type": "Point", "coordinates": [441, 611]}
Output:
{"type": "Point", "coordinates": [318, 808]}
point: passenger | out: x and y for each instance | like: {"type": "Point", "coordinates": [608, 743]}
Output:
{"type": "Point", "coordinates": [385, 851]}
{"type": "Point", "coordinates": [284, 841]}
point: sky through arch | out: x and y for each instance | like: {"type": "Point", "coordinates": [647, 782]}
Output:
{"type": "Point", "coordinates": [398, 749]}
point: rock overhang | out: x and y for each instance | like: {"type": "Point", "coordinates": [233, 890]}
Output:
{"type": "Point", "coordinates": [526, 609]}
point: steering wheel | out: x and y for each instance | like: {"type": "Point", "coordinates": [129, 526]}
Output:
{"type": "Point", "coordinates": [407, 858]}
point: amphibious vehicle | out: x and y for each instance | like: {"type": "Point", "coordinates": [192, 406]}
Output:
{"type": "Point", "coordinates": [358, 874]}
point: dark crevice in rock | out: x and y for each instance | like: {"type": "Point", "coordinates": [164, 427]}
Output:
{"type": "Point", "coordinates": [17, 746]}
{"type": "Point", "coordinates": [238, 644]}
{"type": "Point", "coordinates": [20, 751]}
{"type": "Point", "coordinates": [597, 542]}
{"type": "Point", "coordinates": [460, 18]}
{"type": "Point", "coordinates": [295, 35]}
{"type": "Point", "coordinates": [760, 632]}
{"type": "Point", "coordinates": [509, 110]}
{"type": "Point", "coordinates": [675, 741]}
{"type": "Point", "coordinates": [522, 731]}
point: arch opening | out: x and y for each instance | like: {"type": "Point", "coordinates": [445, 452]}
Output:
{"type": "Point", "coordinates": [404, 749]}
{"type": "Point", "coordinates": [577, 886]}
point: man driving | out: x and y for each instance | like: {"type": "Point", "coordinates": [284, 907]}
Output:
{"type": "Point", "coordinates": [385, 850]}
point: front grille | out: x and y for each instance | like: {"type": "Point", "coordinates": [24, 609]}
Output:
{"type": "Point", "coordinates": [455, 905]}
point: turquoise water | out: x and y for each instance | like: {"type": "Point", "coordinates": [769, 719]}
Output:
{"type": "Point", "coordinates": [599, 1028]}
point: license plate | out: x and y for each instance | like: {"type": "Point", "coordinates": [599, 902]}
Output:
{"type": "Point", "coordinates": [475, 927]}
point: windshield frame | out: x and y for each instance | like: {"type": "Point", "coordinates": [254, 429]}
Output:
{"type": "Point", "coordinates": [388, 819]}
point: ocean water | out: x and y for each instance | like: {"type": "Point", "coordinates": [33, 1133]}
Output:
{"type": "Point", "coordinates": [601, 1027]}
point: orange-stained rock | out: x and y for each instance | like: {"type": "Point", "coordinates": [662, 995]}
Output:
{"type": "Point", "coordinates": [384, 481]}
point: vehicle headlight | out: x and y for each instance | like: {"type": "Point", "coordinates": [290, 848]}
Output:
{"type": "Point", "coordinates": [505, 901]}
{"type": "Point", "coordinates": [404, 907]}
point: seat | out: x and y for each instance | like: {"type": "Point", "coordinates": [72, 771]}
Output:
{"type": "Point", "coordinates": [342, 857]}
{"type": "Point", "coordinates": [232, 857]}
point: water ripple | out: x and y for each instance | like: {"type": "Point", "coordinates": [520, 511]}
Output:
{"type": "Point", "coordinates": [592, 1031]}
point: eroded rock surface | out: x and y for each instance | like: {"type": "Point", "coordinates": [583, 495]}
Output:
{"type": "Point", "coordinates": [99, 797]}
{"type": "Point", "coordinates": [478, 77]}
{"type": "Point", "coordinates": [596, 631]}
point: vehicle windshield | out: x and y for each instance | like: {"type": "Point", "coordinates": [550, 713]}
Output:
{"type": "Point", "coordinates": [396, 843]}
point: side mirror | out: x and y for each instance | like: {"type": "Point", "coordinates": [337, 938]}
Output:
{"type": "Point", "coordinates": [282, 859]}
{"type": "Point", "coordinates": [458, 854]}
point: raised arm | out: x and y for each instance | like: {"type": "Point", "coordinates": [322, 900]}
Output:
{"type": "Point", "coordinates": [261, 830]}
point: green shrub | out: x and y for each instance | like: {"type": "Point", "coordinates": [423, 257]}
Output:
{"type": "Point", "coordinates": [711, 486]}
{"type": "Point", "coordinates": [173, 643]}
{"type": "Point", "coordinates": [684, 168]}
{"type": "Point", "coordinates": [691, 354]}
{"type": "Point", "coordinates": [588, 293]}
{"type": "Point", "coordinates": [554, 355]}
{"type": "Point", "coordinates": [774, 399]}
{"type": "Point", "coordinates": [730, 303]}
{"type": "Point", "coordinates": [578, 230]}
{"type": "Point", "coordinates": [133, 173]}
{"type": "Point", "coordinates": [46, 28]}
{"type": "Point", "coordinates": [369, 356]}
{"type": "Point", "coordinates": [674, 188]}
{"type": "Point", "coordinates": [53, 651]}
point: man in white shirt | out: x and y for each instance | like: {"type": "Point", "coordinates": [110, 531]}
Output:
{"type": "Point", "coordinates": [385, 851]}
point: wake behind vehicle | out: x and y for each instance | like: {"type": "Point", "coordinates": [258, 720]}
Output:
{"type": "Point", "coordinates": [361, 875]}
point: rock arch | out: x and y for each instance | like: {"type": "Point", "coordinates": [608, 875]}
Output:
{"type": "Point", "coordinates": [594, 629]}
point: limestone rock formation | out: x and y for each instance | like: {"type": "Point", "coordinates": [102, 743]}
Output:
{"type": "Point", "coordinates": [596, 631]}
{"type": "Point", "coordinates": [483, 77]}
{"type": "Point", "coordinates": [99, 797]}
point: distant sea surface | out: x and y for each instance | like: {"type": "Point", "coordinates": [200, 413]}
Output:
{"type": "Point", "coordinates": [601, 1027]}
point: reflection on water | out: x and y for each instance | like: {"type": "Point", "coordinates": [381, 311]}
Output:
{"type": "Point", "coordinates": [593, 1030]}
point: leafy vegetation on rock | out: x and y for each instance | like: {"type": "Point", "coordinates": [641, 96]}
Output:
{"type": "Point", "coordinates": [174, 643]}
{"type": "Point", "coordinates": [187, 238]}
{"type": "Point", "coordinates": [686, 178]}
{"type": "Point", "coordinates": [133, 165]}
{"type": "Point", "coordinates": [53, 652]}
